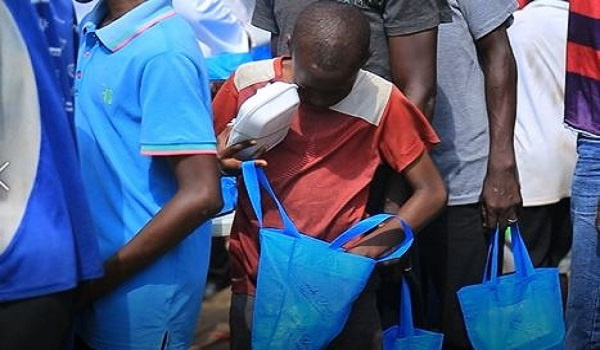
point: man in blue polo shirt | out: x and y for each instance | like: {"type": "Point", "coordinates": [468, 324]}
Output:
{"type": "Point", "coordinates": [148, 157]}
{"type": "Point", "coordinates": [47, 243]}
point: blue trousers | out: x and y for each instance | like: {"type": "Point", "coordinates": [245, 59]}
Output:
{"type": "Point", "coordinates": [583, 303]}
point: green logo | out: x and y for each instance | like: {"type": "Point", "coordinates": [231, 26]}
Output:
{"type": "Point", "coordinates": [107, 96]}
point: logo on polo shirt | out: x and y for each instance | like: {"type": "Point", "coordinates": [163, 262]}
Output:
{"type": "Point", "coordinates": [107, 95]}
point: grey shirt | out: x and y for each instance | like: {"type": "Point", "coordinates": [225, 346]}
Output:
{"type": "Point", "coordinates": [461, 117]}
{"type": "Point", "coordinates": [387, 18]}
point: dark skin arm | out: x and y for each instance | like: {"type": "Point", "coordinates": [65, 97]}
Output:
{"type": "Point", "coordinates": [197, 199]}
{"type": "Point", "coordinates": [413, 64]}
{"type": "Point", "coordinates": [501, 196]}
{"type": "Point", "coordinates": [429, 196]}
{"type": "Point", "coordinates": [414, 71]}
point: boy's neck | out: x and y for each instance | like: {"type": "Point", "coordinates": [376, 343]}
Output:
{"type": "Point", "coordinates": [117, 8]}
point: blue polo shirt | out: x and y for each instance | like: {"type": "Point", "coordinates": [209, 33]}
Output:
{"type": "Point", "coordinates": [47, 241]}
{"type": "Point", "coordinates": [141, 93]}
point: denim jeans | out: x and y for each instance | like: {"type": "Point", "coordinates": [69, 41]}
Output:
{"type": "Point", "coordinates": [583, 303]}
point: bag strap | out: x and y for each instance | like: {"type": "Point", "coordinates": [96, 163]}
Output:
{"type": "Point", "coordinates": [492, 258]}
{"type": "Point", "coordinates": [255, 179]}
{"type": "Point", "coordinates": [523, 264]}
{"type": "Point", "coordinates": [406, 326]}
{"type": "Point", "coordinates": [370, 223]}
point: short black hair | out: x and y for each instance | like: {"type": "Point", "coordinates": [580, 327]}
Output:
{"type": "Point", "coordinates": [336, 36]}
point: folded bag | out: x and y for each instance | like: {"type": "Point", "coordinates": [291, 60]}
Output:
{"type": "Point", "coordinates": [305, 286]}
{"type": "Point", "coordinates": [405, 336]}
{"type": "Point", "coordinates": [517, 311]}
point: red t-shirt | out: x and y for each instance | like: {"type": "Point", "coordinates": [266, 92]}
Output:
{"type": "Point", "coordinates": [321, 171]}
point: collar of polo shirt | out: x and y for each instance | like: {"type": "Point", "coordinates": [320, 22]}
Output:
{"type": "Point", "coordinates": [123, 30]}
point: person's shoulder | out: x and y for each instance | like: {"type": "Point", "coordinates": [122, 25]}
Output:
{"type": "Point", "coordinates": [170, 37]}
{"type": "Point", "coordinates": [254, 72]}
{"type": "Point", "coordinates": [368, 99]}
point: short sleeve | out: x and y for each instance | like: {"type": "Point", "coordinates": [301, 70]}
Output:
{"type": "Point", "coordinates": [264, 16]}
{"type": "Point", "coordinates": [483, 16]}
{"type": "Point", "coordinates": [403, 17]}
{"type": "Point", "coordinates": [225, 104]}
{"type": "Point", "coordinates": [175, 103]}
{"type": "Point", "coordinates": [405, 133]}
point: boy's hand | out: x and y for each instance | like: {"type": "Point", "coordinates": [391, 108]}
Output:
{"type": "Point", "coordinates": [380, 241]}
{"type": "Point", "coordinates": [92, 290]}
{"type": "Point", "coordinates": [226, 155]}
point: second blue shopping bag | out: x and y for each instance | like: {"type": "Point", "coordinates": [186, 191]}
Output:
{"type": "Point", "coordinates": [306, 286]}
{"type": "Point", "coordinates": [516, 311]}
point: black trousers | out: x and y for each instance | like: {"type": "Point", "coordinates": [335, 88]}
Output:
{"type": "Point", "coordinates": [37, 323]}
{"type": "Point", "coordinates": [453, 253]}
{"type": "Point", "coordinates": [547, 232]}
{"type": "Point", "coordinates": [361, 332]}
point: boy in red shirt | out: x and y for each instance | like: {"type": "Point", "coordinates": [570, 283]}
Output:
{"type": "Point", "coordinates": [349, 121]}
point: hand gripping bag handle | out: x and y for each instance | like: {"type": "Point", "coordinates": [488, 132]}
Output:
{"type": "Point", "coordinates": [369, 224]}
{"type": "Point", "coordinates": [523, 264]}
{"type": "Point", "coordinates": [254, 179]}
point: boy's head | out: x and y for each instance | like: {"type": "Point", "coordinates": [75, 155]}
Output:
{"type": "Point", "coordinates": [329, 44]}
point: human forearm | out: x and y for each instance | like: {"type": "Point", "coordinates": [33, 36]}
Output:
{"type": "Point", "coordinates": [198, 198]}
{"type": "Point", "coordinates": [500, 91]}
{"type": "Point", "coordinates": [428, 198]}
{"type": "Point", "coordinates": [501, 195]}
{"type": "Point", "coordinates": [182, 214]}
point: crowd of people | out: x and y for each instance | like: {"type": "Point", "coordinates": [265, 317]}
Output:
{"type": "Point", "coordinates": [460, 117]}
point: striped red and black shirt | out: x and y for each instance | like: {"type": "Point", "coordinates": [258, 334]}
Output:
{"type": "Point", "coordinates": [582, 93]}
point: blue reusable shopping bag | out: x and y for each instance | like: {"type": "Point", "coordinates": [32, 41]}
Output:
{"type": "Point", "coordinates": [306, 286]}
{"type": "Point", "coordinates": [405, 336]}
{"type": "Point", "coordinates": [517, 311]}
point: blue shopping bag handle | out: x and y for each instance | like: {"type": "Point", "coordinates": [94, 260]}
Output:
{"type": "Point", "coordinates": [406, 326]}
{"type": "Point", "coordinates": [369, 224]}
{"type": "Point", "coordinates": [523, 264]}
{"type": "Point", "coordinates": [254, 179]}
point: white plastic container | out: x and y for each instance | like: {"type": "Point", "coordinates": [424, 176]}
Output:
{"type": "Point", "coordinates": [265, 117]}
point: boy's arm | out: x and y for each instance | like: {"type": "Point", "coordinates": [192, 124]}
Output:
{"type": "Point", "coordinates": [197, 199]}
{"type": "Point", "coordinates": [428, 198]}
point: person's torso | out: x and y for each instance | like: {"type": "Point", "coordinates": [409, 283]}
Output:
{"type": "Point", "coordinates": [542, 143]}
{"type": "Point", "coordinates": [460, 116]}
{"type": "Point", "coordinates": [127, 188]}
{"type": "Point", "coordinates": [46, 236]}
{"type": "Point", "coordinates": [583, 72]}
{"type": "Point", "coordinates": [321, 171]}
